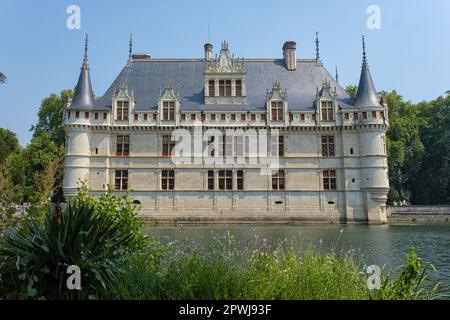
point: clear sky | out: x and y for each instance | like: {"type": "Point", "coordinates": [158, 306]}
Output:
{"type": "Point", "coordinates": [40, 55]}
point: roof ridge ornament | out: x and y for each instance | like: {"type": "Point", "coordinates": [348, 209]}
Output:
{"type": "Point", "coordinates": [130, 50]}
{"type": "Point", "coordinates": [85, 59]}
{"type": "Point", "coordinates": [317, 48]}
{"type": "Point", "coordinates": [365, 64]}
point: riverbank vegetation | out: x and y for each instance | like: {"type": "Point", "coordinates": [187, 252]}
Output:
{"type": "Point", "coordinates": [104, 237]}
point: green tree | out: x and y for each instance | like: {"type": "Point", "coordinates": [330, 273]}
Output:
{"type": "Point", "coordinates": [8, 144]}
{"type": "Point", "coordinates": [405, 149]}
{"type": "Point", "coordinates": [50, 117]}
{"type": "Point", "coordinates": [351, 91]}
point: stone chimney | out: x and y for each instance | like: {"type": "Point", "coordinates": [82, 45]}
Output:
{"type": "Point", "coordinates": [289, 55]}
{"type": "Point", "coordinates": [208, 51]}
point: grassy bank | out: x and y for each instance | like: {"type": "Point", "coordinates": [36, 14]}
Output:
{"type": "Point", "coordinates": [222, 271]}
{"type": "Point", "coordinates": [104, 238]}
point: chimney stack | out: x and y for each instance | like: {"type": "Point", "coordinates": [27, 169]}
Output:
{"type": "Point", "coordinates": [289, 55]}
{"type": "Point", "coordinates": [208, 51]}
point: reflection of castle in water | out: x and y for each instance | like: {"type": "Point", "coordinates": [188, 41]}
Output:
{"type": "Point", "coordinates": [329, 147]}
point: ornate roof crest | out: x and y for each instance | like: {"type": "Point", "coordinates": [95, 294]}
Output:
{"type": "Point", "coordinates": [327, 92]}
{"type": "Point", "coordinates": [276, 93]}
{"type": "Point", "coordinates": [123, 92]}
{"type": "Point", "coordinates": [225, 63]}
{"type": "Point", "coordinates": [169, 92]}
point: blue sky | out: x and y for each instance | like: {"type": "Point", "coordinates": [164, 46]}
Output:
{"type": "Point", "coordinates": [410, 53]}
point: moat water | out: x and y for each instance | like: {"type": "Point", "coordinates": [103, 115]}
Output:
{"type": "Point", "coordinates": [385, 245]}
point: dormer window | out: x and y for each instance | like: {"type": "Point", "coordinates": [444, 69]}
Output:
{"type": "Point", "coordinates": [212, 88]}
{"type": "Point", "coordinates": [238, 85]}
{"type": "Point", "coordinates": [327, 111]}
{"type": "Point", "coordinates": [122, 110]}
{"type": "Point", "coordinates": [277, 110]}
{"type": "Point", "coordinates": [168, 110]}
{"type": "Point", "coordinates": [225, 88]}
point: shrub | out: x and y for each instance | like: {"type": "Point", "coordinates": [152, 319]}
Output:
{"type": "Point", "coordinates": [34, 260]}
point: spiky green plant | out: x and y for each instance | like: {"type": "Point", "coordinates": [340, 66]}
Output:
{"type": "Point", "coordinates": [34, 261]}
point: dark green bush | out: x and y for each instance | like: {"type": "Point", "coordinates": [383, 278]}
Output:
{"type": "Point", "coordinates": [33, 261]}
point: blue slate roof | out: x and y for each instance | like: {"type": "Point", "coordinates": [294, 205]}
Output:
{"type": "Point", "coordinates": [146, 78]}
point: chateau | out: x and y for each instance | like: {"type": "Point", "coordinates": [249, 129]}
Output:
{"type": "Point", "coordinates": [287, 143]}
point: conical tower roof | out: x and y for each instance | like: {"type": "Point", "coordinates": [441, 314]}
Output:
{"type": "Point", "coordinates": [366, 96]}
{"type": "Point", "coordinates": [84, 97]}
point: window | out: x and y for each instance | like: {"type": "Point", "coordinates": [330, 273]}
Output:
{"type": "Point", "coordinates": [279, 147]}
{"type": "Point", "coordinates": [105, 116]}
{"type": "Point", "coordinates": [263, 117]}
{"type": "Point", "coordinates": [211, 88]}
{"type": "Point", "coordinates": [136, 117]}
{"type": "Point", "coordinates": [242, 117]}
{"type": "Point", "coordinates": [68, 115]}
{"type": "Point", "coordinates": [302, 117]}
{"type": "Point", "coordinates": [346, 116]}
{"type": "Point", "coordinates": [155, 116]}
{"type": "Point", "coordinates": [123, 146]}
{"type": "Point", "coordinates": [168, 180]}
{"type": "Point", "coordinates": [193, 117]}
{"type": "Point", "coordinates": [278, 180]}
{"type": "Point", "coordinates": [355, 115]}
{"type": "Point", "coordinates": [291, 117]}
{"type": "Point", "coordinates": [228, 88]}
{"type": "Point", "coordinates": [96, 116]}
{"type": "Point", "coordinates": [226, 146]}
{"type": "Point", "coordinates": [233, 117]}
{"type": "Point", "coordinates": [183, 117]}
{"type": "Point", "coordinates": [213, 117]}
{"type": "Point", "coordinates": [327, 111]}
{"type": "Point", "coordinates": [314, 117]}
{"type": "Point", "coordinates": [329, 180]}
{"type": "Point", "coordinates": [145, 116]}
{"type": "Point", "coordinates": [167, 146]}
{"type": "Point", "coordinates": [239, 145]}
{"type": "Point", "coordinates": [121, 179]}
{"type": "Point", "coordinates": [351, 150]}
{"type": "Point", "coordinates": [253, 117]}
{"type": "Point", "coordinates": [122, 110]}
{"type": "Point", "coordinates": [374, 114]}
{"type": "Point", "coordinates": [77, 114]}
{"type": "Point", "coordinates": [168, 110]}
{"type": "Point", "coordinates": [202, 117]}
{"type": "Point", "coordinates": [328, 146]}
{"type": "Point", "coordinates": [86, 115]}
{"type": "Point", "coordinates": [240, 179]}
{"type": "Point", "coordinates": [382, 115]}
{"type": "Point", "coordinates": [277, 110]}
{"type": "Point", "coordinates": [238, 88]}
{"type": "Point", "coordinates": [225, 88]}
{"type": "Point", "coordinates": [225, 179]}
{"type": "Point", "coordinates": [364, 115]}
{"type": "Point", "coordinates": [210, 179]}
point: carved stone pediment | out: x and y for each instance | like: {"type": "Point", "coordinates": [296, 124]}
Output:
{"type": "Point", "coordinates": [225, 63]}
{"type": "Point", "coordinates": [327, 92]}
{"type": "Point", "coordinates": [123, 92]}
{"type": "Point", "coordinates": [169, 92]}
{"type": "Point", "coordinates": [276, 93]}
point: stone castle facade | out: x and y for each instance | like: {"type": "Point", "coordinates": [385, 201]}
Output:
{"type": "Point", "coordinates": [287, 142]}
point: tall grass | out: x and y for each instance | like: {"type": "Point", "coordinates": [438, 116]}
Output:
{"type": "Point", "coordinates": [222, 271]}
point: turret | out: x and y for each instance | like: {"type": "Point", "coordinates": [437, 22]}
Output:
{"type": "Point", "coordinates": [374, 177]}
{"type": "Point", "coordinates": [77, 152]}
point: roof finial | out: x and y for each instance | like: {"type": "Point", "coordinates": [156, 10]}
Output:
{"type": "Point", "coordinates": [130, 50]}
{"type": "Point", "coordinates": [365, 65]}
{"type": "Point", "coordinates": [337, 76]}
{"type": "Point", "coordinates": [85, 61]}
{"type": "Point", "coordinates": [317, 47]}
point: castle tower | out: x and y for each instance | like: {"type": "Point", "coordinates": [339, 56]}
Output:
{"type": "Point", "coordinates": [373, 163]}
{"type": "Point", "coordinates": [77, 151]}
